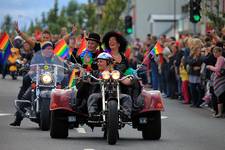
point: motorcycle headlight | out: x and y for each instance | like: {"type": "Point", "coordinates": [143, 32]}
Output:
{"type": "Point", "coordinates": [46, 78]}
{"type": "Point", "coordinates": [115, 74]}
{"type": "Point", "coordinates": [105, 75]}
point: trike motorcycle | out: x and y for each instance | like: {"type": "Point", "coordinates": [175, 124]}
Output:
{"type": "Point", "coordinates": [110, 117]}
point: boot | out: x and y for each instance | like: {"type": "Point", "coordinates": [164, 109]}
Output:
{"type": "Point", "coordinates": [15, 123]}
{"type": "Point", "coordinates": [17, 120]}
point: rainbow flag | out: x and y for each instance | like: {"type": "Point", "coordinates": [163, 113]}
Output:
{"type": "Point", "coordinates": [62, 49]}
{"type": "Point", "coordinates": [157, 49]}
{"type": "Point", "coordinates": [5, 48]}
{"type": "Point", "coordinates": [72, 81]}
{"type": "Point", "coordinates": [127, 52]}
{"type": "Point", "coordinates": [82, 46]}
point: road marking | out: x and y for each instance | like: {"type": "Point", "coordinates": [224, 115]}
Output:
{"type": "Point", "coordinates": [164, 117]}
{"type": "Point", "coordinates": [5, 114]}
{"type": "Point", "coordinates": [89, 149]}
{"type": "Point", "coordinates": [81, 130]}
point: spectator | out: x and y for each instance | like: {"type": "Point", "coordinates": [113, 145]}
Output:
{"type": "Point", "coordinates": [184, 79]}
{"type": "Point", "coordinates": [194, 61]}
{"type": "Point", "coordinates": [218, 79]}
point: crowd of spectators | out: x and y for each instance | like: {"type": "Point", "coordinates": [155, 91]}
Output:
{"type": "Point", "coordinates": [186, 69]}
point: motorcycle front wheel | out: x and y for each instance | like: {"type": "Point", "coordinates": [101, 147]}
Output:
{"type": "Point", "coordinates": [45, 114]}
{"type": "Point", "coordinates": [112, 123]}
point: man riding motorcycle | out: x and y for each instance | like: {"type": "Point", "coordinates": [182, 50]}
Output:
{"type": "Point", "coordinates": [104, 62]}
{"type": "Point", "coordinates": [25, 87]}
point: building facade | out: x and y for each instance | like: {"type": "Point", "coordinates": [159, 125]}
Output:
{"type": "Point", "coordinates": [156, 16]}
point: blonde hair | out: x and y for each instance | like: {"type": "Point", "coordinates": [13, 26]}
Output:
{"type": "Point", "coordinates": [188, 41]}
{"type": "Point", "coordinates": [195, 44]}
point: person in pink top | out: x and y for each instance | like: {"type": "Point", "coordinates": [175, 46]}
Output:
{"type": "Point", "coordinates": [218, 80]}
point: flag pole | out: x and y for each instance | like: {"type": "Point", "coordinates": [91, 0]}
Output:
{"type": "Point", "coordinates": [145, 59]}
{"type": "Point", "coordinates": [11, 43]}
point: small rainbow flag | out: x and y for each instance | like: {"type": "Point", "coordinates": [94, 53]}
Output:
{"type": "Point", "coordinates": [157, 49]}
{"type": "Point", "coordinates": [72, 81]}
{"type": "Point", "coordinates": [82, 46]}
{"type": "Point", "coordinates": [62, 49]}
{"type": "Point", "coordinates": [5, 48]}
{"type": "Point", "coordinates": [127, 52]}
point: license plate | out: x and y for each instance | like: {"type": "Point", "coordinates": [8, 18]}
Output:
{"type": "Point", "coordinates": [143, 120]}
{"type": "Point", "coordinates": [72, 118]}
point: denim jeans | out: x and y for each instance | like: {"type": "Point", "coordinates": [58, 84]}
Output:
{"type": "Point", "coordinates": [154, 75]}
{"type": "Point", "coordinates": [195, 92]}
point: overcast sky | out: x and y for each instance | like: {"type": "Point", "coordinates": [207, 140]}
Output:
{"type": "Point", "coordinates": [27, 10]}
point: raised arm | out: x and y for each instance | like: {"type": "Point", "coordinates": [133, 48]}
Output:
{"type": "Point", "coordinates": [74, 30]}
{"type": "Point", "coordinates": [24, 35]}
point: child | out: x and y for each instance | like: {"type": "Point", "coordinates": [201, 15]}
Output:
{"type": "Point", "coordinates": [12, 62]}
{"type": "Point", "coordinates": [184, 79]}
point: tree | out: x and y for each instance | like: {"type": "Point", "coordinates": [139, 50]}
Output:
{"type": "Point", "coordinates": [63, 19]}
{"type": "Point", "coordinates": [52, 19]}
{"type": "Point", "coordinates": [72, 12]}
{"type": "Point", "coordinates": [43, 20]}
{"type": "Point", "coordinates": [31, 28]}
{"type": "Point", "coordinates": [216, 17]}
{"type": "Point", "coordinates": [7, 24]}
{"type": "Point", "coordinates": [111, 19]}
{"type": "Point", "coordinates": [91, 22]}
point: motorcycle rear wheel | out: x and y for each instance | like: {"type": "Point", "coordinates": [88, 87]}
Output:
{"type": "Point", "coordinates": [59, 126]}
{"type": "Point", "coordinates": [152, 130]}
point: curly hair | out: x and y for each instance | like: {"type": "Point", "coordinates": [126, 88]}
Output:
{"type": "Point", "coordinates": [119, 38]}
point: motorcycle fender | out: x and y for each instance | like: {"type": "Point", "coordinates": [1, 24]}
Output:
{"type": "Point", "coordinates": [152, 101]}
{"type": "Point", "coordinates": [45, 94]}
{"type": "Point", "coordinates": [61, 99]}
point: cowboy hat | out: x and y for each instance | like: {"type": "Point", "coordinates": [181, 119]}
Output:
{"type": "Point", "coordinates": [94, 37]}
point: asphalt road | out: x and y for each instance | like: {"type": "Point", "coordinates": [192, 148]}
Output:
{"type": "Point", "coordinates": [183, 128]}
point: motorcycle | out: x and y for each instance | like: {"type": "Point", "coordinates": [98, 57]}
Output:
{"type": "Point", "coordinates": [47, 72]}
{"type": "Point", "coordinates": [147, 119]}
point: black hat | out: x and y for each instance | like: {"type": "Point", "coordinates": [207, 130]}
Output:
{"type": "Point", "coordinates": [94, 37]}
{"type": "Point", "coordinates": [119, 38]}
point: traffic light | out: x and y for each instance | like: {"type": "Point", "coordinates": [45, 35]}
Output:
{"type": "Point", "coordinates": [195, 8]}
{"type": "Point", "coordinates": [128, 25]}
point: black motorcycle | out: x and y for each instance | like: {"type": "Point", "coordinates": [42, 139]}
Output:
{"type": "Point", "coordinates": [47, 72]}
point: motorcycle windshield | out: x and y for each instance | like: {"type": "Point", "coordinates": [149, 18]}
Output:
{"type": "Point", "coordinates": [46, 62]}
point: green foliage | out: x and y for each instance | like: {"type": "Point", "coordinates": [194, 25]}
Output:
{"type": "Point", "coordinates": [218, 22]}
{"type": "Point", "coordinates": [111, 19]}
{"type": "Point", "coordinates": [7, 24]}
{"type": "Point", "coordinates": [62, 19]}
{"type": "Point", "coordinates": [216, 17]}
{"type": "Point", "coordinates": [83, 15]}
{"type": "Point", "coordinates": [89, 17]}
{"type": "Point", "coordinates": [52, 19]}
{"type": "Point", "coordinates": [31, 28]}
{"type": "Point", "coordinates": [72, 11]}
